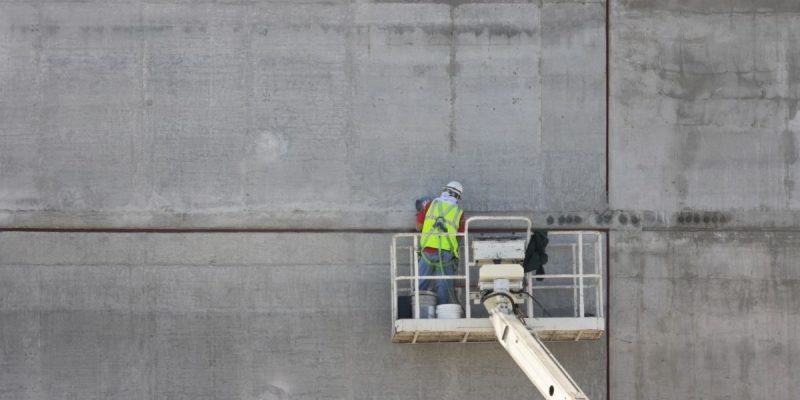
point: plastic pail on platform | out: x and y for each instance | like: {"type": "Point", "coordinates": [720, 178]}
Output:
{"type": "Point", "coordinates": [427, 304]}
{"type": "Point", "coordinates": [449, 311]}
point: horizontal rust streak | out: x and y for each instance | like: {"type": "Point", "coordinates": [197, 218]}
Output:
{"type": "Point", "coordinates": [256, 230]}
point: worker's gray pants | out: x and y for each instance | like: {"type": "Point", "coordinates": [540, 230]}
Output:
{"type": "Point", "coordinates": [442, 287]}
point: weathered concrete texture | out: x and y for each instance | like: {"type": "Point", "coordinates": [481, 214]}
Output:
{"type": "Point", "coordinates": [703, 126]}
{"type": "Point", "coordinates": [158, 113]}
{"type": "Point", "coordinates": [704, 315]}
{"type": "Point", "coordinates": [573, 106]}
{"type": "Point", "coordinates": [239, 316]}
{"type": "Point", "coordinates": [704, 105]}
{"type": "Point", "coordinates": [707, 7]}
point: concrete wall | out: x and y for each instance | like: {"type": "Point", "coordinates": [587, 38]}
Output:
{"type": "Point", "coordinates": [703, 128]}
{"type": "Point", "coordinates": [276, 114]}
{"type": "Point", "coordinates": [335, 115]}
{"type": "Point", "coordinates": [704, 110]}
{"type": "Point", "coordinates": [704, 315]}
{"type": "Point", "coordinates": [229, 316]}
{"type": "Point", "coordinates": [331, 115]}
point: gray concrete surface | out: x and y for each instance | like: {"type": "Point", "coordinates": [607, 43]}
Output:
{"type": "Point", "coordinates": [704, 109]}
{"type": "Point", "coordinates": [327, 115]}
{"type": "Point", "coordinates": [170, 114]}
{"type": "Point", "coordinates": [704, 315]}
{"type": "Point", "coordinates": [229, 316]}
{"type": "Point", "coordinates": [335, 115]}
{"type": "Point", "coordinates": [703, 127]}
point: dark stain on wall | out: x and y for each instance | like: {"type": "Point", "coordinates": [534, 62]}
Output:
{"type": "Point", "coordinates": [452, 3]}
{"type": "Point", "coordinates": [712, 218]}
{"type": "Point", "coordinates": [507, 31]}
{"type": "Point", "coordinates": [789, 159]}
{"type": "Point", "coordinates": [707, 7]}
{"type": "Point", "coordinates": [604, 218]}
{"type": "Point", "coordinates": [446, 30]}
{"type": "Point", "coordinates": [566, 219]}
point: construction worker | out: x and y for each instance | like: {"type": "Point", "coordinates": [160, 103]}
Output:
{"type": "Point", "coordinates": [439, 220]}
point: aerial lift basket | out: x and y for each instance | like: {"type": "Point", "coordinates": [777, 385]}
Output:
{"type": "Point", "coordinates": [504, 303]}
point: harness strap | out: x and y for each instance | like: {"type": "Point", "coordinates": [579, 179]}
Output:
{"type": "Point", "coordinates": [437, 264]}
{"type": "Point", "coordinates": [442, 229]}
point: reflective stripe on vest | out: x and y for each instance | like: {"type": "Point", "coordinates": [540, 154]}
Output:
{"type": "Point", "coordinates": [442, 217]}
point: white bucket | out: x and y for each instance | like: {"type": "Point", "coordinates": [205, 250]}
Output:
{"type": "Point", "coordinates": [449, 311]}
{"type": "Point", "coordinates": [427, 304]}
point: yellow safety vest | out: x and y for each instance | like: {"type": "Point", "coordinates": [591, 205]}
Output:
{"type": "Point", "coordinates": [442, 217]}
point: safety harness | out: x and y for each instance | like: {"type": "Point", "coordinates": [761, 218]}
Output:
{"type": "Point", "coordinates": [443, 229]}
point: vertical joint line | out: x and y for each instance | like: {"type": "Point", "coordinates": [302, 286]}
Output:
{"type": "Point", "coordinates": [451, 72]}
{"type": "Point", "coordinates": [608, 101]}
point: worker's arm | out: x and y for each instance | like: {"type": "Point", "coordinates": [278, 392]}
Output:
{"type": "Point", "coordinates": [421, 215]}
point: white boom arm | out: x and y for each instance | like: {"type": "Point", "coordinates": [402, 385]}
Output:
{"type": "Point", "coordinates": [525, 348]}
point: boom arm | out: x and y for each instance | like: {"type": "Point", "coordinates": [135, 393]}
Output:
{"type": "Point", "coordinates": [525, 348]}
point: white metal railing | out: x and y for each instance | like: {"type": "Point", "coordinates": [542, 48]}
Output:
{"type": "Point", "coordinates": [414, 270]}
{"type": "Point", "coordinates": [578, 276]}
{"type": "Point", "coordinates": [576, 241]}
{"type": "Point", "coordinates": [529, 225]}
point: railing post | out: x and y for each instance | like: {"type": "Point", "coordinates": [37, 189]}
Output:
{"type": "Point", "coordinates": [393, 274]}
{"type": "Point", "coordinates": [580, 272]}
{"type": "Point", "coordinates": [467, 305]}
{"type": "Point", "coordinates": [574, 281]}
{"type": "Point", "coordinates": [416, 278]}
{"type": "Point", "coordinates": [601, 271]}
{"type": "Point", "coordinates": [597, 264]}
{"type": "Point", "coordinates": [530, 292]}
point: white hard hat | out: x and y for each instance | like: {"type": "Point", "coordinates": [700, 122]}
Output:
{"type": "Point", "coordinates": [455, 188]}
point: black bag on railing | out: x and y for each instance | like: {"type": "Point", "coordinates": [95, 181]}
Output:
{"type": "Point", "coordinates": [535, 255]}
